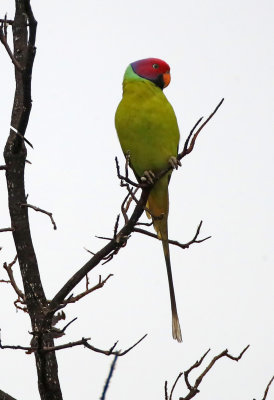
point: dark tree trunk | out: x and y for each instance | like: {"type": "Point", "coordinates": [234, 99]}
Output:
{"type": "Point", "coordinates": [24, 31]}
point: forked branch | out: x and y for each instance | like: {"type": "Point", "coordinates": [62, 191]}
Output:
{"type": "Point", "coordinates": [194, 389]}
{"type": "Point", "coordinates": [88, 290]}
{"type": "Point", "coordinates": [4, 39]}
{"type": "Point", "coordinates": [175, 242]}
{"type": "Point", "coordinates": [8, 268]}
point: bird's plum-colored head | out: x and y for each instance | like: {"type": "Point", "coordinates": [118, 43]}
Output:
{"type": "Point", "coordinates": [153, 69]}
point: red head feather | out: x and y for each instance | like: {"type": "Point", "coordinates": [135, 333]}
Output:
{"type": "Point", "coordinates": [153, 69]}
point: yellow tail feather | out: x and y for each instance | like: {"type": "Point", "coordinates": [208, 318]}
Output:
{"type": "Point", "coordinates": [158, 206]}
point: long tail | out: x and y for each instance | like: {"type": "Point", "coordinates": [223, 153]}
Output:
{"type": "Point", "coordinates": [176, 330]}
{"type": "Point", "coordinates": [158, 205]}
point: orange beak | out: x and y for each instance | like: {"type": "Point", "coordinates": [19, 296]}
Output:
{"type": "Point", "coordinates": [166, 78]}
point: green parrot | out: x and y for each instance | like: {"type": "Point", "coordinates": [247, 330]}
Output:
{"type": "Point", "coordinates": [148, 131]}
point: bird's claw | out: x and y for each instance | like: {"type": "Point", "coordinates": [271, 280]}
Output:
{"type": "Point", "coordinates": [148, 176]}
{"type": "Point", "coordinates": [174, 162]}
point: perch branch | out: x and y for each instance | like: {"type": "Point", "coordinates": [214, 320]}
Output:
{"type": "Point", "coordinates": [42, 211]}
{"type": "Point", "coordinates": [114, 245]}
{"type": "Point", "coordinates": [124, 178]}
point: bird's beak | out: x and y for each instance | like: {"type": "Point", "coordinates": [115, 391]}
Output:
{"type": "Point", "coordinates": [166, 78]}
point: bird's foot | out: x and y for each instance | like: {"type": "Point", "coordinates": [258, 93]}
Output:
{"type": "Point", "coordinates": [174, 162]}
{"type": "Point", "coordinates": [148, 176]}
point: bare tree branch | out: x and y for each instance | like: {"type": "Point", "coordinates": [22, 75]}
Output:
{"type": "Point", "coordinates": [22, 137]}
{"type": "Point", "coordinates": [20, 301]}
{"type": "Point", "coordinates": [6, 230]}
{"type": "Point", "coordinates": [7, 21]}
{"type": "Point", "coordinates": [111, 352]}
{"type": "Point", "coordinates": [42, 211]}
{"type": "Point", "coordinates": [82, 342]}
{"type": "Point", "coordinates": [99, 285]}
{"type": "Point", "coordinates": [105, 388]}
{"type": "Point", "coordinates": [194, 389]}
{"type": "Point", "coordinates": [175, 242]}
{"type": "Point", "coordinates": [8, 268]}
{"type": "Point", "coordinates": [5, 396]}
{"type": "Point", "coordinates": [188, 149]}
{"type": "Point", "coordinates": [4, 40]}
{"type": "Point", "coordinates": [267, 388]}
{"type": "Point", "coordinates": [166, 391]}
{"type": "Point", "coordinates": [114, 245]}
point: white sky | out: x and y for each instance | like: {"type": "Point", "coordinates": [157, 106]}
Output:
{"type": "Point", "coordinates": [224, 287]}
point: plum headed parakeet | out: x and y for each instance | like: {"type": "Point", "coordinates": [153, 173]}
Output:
{"type": "Point", "coordinates": [148, 131]}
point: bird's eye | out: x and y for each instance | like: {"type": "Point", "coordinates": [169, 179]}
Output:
{"type": "Point", "coordinates": [155, 66]}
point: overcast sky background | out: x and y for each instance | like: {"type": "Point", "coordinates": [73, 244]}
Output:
{"type": "Point", "coordinates": [224, 286]}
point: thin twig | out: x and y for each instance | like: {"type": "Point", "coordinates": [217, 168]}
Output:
{"type": "Point", "coordinates": [19, 301]}
{"type": "Point", "coordinates": [125, 206]}
{"type": "Point", "coordinates": [195, 365]}
{"type": "Point", "coordinates": [42, 211]}
{"type": "Point", "coordinates": [7, 21]}
{"type": "Point", "coordinates": [116, 226]}
{"type": "Point", "coordinates": [8, 268]}
{"type": "Point", "coordinates": [87, 282]}
{"type": "Point", "coordinates": [22, 137]}
{"type": "Point", "coordinates": [194, 389]}
{"type": "Point", "coordinates": [189, 149]}
{"type": "Point", "coordinates": [267, 388]}
{"type": "Point", "coordinates": [3, 167]}
{"type": "Point", "coordinates": [109, 377]}
{"type": "Point", "coordinates": [82, 342]}
{"type": "Point", "coordinates": [175, 383]}
{"type": "Point", "coordinates": [89, 251]}
{"type": "Point", "coordinates": [6, 230]}
{"type": "Point", "coordinates": [3, 39]}
{"type": "Point", "coordinates": [175, 242]}
{"type": "Point", "coordinates": [111, 352]}
{"type": "Point", "coordinates": [103, 237]}
{"type": "Point", "coordinates": [125, 178]}
{"type": "Point", "coordinates": [210, 365]}
{"type": "Point", "coordinates": [166, 393]}
{"type": "Point", "coordinates": [99, 285]}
